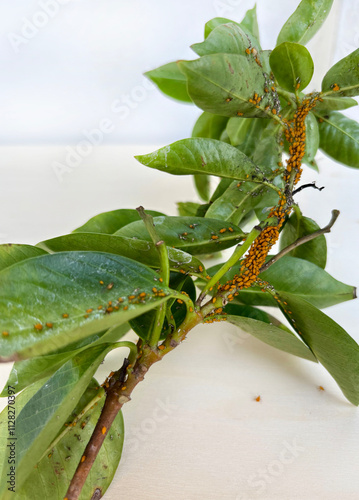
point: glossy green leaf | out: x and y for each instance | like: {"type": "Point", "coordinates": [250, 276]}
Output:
{"type": "Point", "coordinates": [171, 81]}
{"type": "Point", "coordinates": [194, 235]}
{"type": "Point", "coordinates": [20, 402]}
{"type": "Point", "coordinates": [332, 346]}
{"type": "Point", "coordinates": [339, 138]}
{"type": "Point", "coordinates": [245, 133]}
{"type": "Point", "coordinates": [143, 324]}
{"type": "Point", "coordinates": [312, 138]}
{"type": "Point", "coordinates": [220, 189]}
{"type": "Point", "coordinates": [56, 468]}
{"type": "Point", "coordinates": [45, 413]}
{"type": "Point", "coordinates": [267, 332]}
{"type": "Point", "coordinates": [333, 103]}
{"type": "Point", "coordinates": [11, 253]}
{"type": "Point", "coordinates": [187, 208]}
{"type": "Point", "coordinates": [110, 222]}
{"type": "Point", "coordinates": [249, 23]}
{"type": "Point", "coordinates": [305, 21]}
{"type": "Point", "coordinates": [138, 250]}
{"type": "Point", "coordinates": [298, 277]}
{"type": "Point", "coordinates": [208, 156]}
{"type": "Point", "coordinates": [223, 84]}
{"type": "Point", "coordinates": [292, 66]}
{"type": "Point", "coordinates": [226, 38]}
{"type": "Point", "coordinates": [343, 78]}
{"type": "Point", "coordinates": [237, 201]}
{"type": "Point", "coordinates": [298, 226]}
{"type": "Point", "coordinates": [203, 186]}
{"type": "Point", "coordinates": [207, 126]}
{"type": "Point", "coordinates": [28, 371]}
{"type": "Point", "coordinates": [267, 152]}
{"type": "Point", "coordinates": [44, 289]}
{"type": "Point", "coordinates": [214, 23]}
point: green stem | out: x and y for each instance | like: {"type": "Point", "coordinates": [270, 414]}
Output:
{"type": "Point", "coordinates": [159, 244]}
{"type": "Point", "coordinates": [237, 254]}
{"type": "Point", "coordinates": [287, 95]}
{"type": "Point", "coordinates": [161, 248]}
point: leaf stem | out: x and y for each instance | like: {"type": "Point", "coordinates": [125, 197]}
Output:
{"type": "Point", "coordinates": [301, 241]}
{"type": "Point", "coordinates": [237, 254]}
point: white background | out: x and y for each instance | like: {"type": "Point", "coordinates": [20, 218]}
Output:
{"type": "Point", "coordinates": [217, 442]}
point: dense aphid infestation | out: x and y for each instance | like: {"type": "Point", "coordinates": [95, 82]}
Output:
{"type": "Point", "coordinates": [68, 301]}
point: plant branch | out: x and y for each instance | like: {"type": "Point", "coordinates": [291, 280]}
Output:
{"type": "Point", "coordinates": [301, 241]}
{"type": "Point", "coordinates": [304, 186]}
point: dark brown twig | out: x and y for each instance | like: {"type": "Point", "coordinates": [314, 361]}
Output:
{"type": "Point", "coordinates": [301, 241]}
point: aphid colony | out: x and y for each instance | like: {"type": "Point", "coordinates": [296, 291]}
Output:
{"type": "Point", "coordinates": [295, 134]}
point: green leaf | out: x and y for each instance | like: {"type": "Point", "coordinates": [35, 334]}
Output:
{"type": "Point", "coordinates": [339, 138]}
{"type": "Point", "coordinates": [203, 186]}
{"type": "Point", "coordinates": [237, 201]}
{"type": "Point", "coordinates": [332, 103]}
{"type": "Point", "coordinates": [44, 289]}
{"type": "Point", "coordinates": [138, 250]}
{"type": "Point", "coordinates": [45, 413]}
{"type": "Point", "coordinates": [292, 66]}
{"type": "Point", "coordinates": [194, 235]}
{"type": "Point", "coordinates": [214, 23]}
{"type": "Point", "coordinates": [343, 78]}
{"type": "Point", "coordinates": [20, 402]}
{"type": "Point", "coordinates": [11, 253]}
{"type": "Point", "coordinates": [226, 38]}
{"type": "Point", "coordinates": [244, 133]}
{"type": "Point", "coordinates": [223, 84]}
{"type": "Point", "coordinates": [171, 81]}
{"type": "Point", "coordinates": [53, 480]}
{"type": "Point", "coordinates": [207, 156]}
{"type": "Point", "coordinates": [249, 23]}
{"type": "Point", "coordinates": [269, 333]}
{"type": "Point", "coordinates": [298, 226]}
{"type": "Point", "coordinates": [110, 222]}
{"type": "Point", "coordinates": [298, 277]}
{"type": "Point", "coordinates": [142, 325]}
{"type": "Point", "coordinates": [305, 21]}
{"type": "Point", "coordinates": [331, 345]}
{"type": "Point", "coordinates": [220, 189]}
{"type": "Point", "coordinates": [29, 371]}
{"type": "Point", "coordinates": [312, 138]}
{"type": "Point", "coordinates": [207, 126]}
{"type": "Point", "coordinates": [186, 208]}
{"type": "Point", "coordinates": [267, 152]}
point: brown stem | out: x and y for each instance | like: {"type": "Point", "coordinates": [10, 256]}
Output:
{"type": "Point", "coordinates": [118, 392]}
{"type": "Point", "coordinates": [301, 241]}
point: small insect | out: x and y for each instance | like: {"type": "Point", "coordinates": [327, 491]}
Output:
{"type": "Point", "coordinates": [258, 398]}
{"type": "Point", "coordinates": [38, 327]}
{"type": "Point", "coordinates": [214, 237]}
{"type": "Point", "coordinates": [49, 325]}
{"type": "Point", "coordinates": [109, 286]}
{"type": "Point", "coordinates": [5, 334]}
{"type": "Point", "coordinates": [161, 347]}
{"type": "Point", "coordinates": [65, 315]}
{"type": "Point", "coordinates": [83, 458]}
{"type": "Point", "coordinates": [103, 430]}
{"type": "Point", "coordinates": [101, 282]}
{"type": "Point", "coordinates": [321, 388]}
